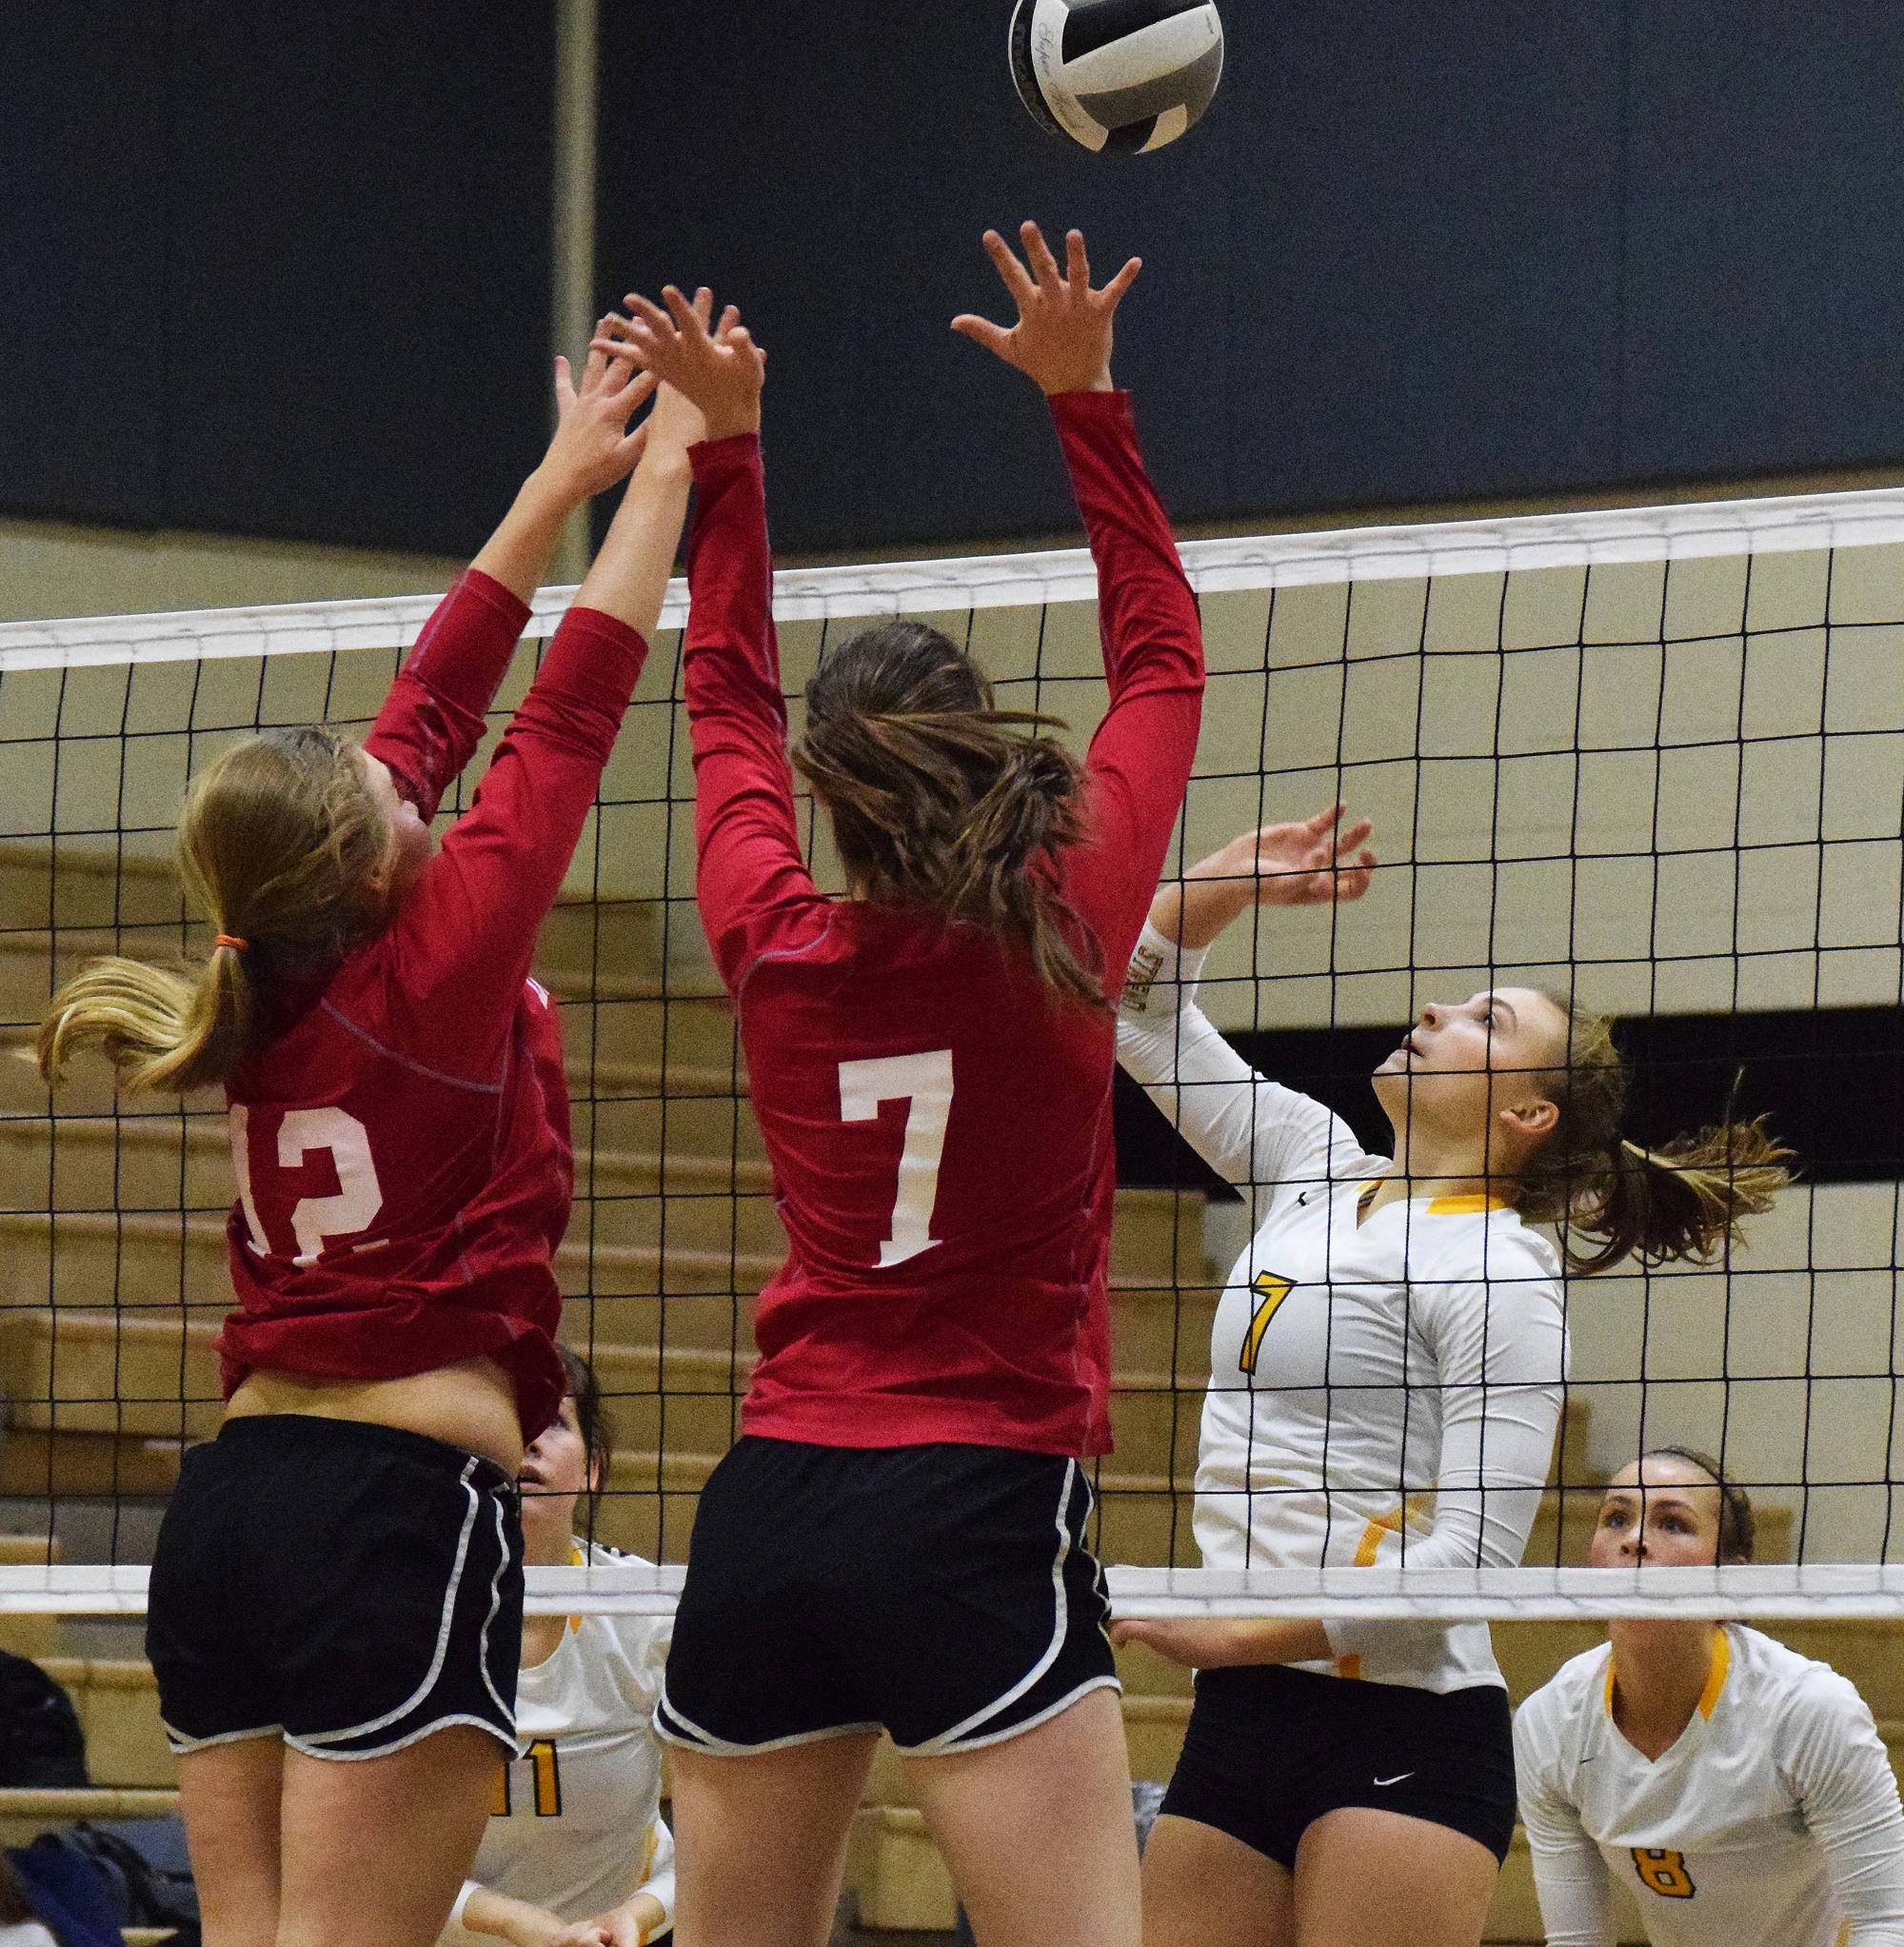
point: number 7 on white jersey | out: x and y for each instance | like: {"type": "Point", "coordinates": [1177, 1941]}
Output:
{"type": "Point", "coordinates": [923, 1083]}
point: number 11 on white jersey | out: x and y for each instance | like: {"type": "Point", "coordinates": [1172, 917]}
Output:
{"type": "Point", "coordinates": [923, 1083]}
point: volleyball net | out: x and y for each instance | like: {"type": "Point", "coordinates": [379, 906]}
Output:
{"type": "Point", "coordinates": [1651, 758]}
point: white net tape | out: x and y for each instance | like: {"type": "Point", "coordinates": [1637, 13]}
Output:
{"type": "Point", "coordinates": [1527, 1595]}
{"type": "Point", "coordinates": [1695, 530]}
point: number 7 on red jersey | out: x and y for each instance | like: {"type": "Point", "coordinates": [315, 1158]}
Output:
{"type": "Point", "coordinates": [923, 1083]}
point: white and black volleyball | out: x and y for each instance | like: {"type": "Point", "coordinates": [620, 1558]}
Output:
{"type": "Point", "coordinates": [1116, 76]}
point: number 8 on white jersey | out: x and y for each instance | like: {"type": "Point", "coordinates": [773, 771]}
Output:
{"type": "Point", "coordinates": [923, 1083]}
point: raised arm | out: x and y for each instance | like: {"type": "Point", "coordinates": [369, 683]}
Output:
{"type": "Point", "coordinates": [1252, 1131]}
{"type": "Point", "coordinates": [1140, 756]}
{"type": "Point", "coordinates": [750, 871]}
{"type": "Point", "coordinates": [470, 927]}
{"type": "Point", "coordinates": [434, 717]}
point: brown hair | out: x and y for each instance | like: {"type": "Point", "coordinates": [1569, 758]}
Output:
{"type": "Point", "coordinates": [591, 1421]}
{"type": "Point", "coordinates": [937, 802]}
{"type": "Point", "coordinates": [282, 846]}
{"type": "Point", "coordinates": [1738, 1525]}
{"type": "Point", "coordinates": [1613, 1199]}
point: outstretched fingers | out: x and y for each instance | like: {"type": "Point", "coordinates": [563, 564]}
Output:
{"type": "Point", "coordinates": [1113, 292]}
{"type": "Point", "coordinates": [1077, 265]}
{"type": "Point", "coordinates": [1037, 254]}
{"type": "Point", "coordinates": [982, 331]}
{"type": "Point", "coordinates": [1017, 279]}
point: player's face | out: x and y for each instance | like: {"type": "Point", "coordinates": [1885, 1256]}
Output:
{"type": "Point", "coordinates": [555, 1469]}
{"type": "Point", "coordinates": [1663, 1510]}
{"type": "Point", "coordinates": [411, 842]}
{"type": "Point", "coordinates": [1461, 1064]}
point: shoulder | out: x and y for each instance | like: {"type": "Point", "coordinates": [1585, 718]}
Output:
{"type": "Point", "coordinates": [1550, 1727]}
{"type": "Point", "coordinates": [1572, 1692]}
{"type": "Point", "coordinates": [1471, 1244]}
{"type": "Point", "coordinates": [639, 1638]}
{"type": "Point", "coordinates": [1795, 1695]}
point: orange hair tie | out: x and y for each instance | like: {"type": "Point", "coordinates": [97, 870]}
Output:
{"type": "Point", "coordinates": [230, 940]}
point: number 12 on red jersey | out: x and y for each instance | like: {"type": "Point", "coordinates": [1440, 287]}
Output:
{"type": "Point", "coordinates": [923, 1083]}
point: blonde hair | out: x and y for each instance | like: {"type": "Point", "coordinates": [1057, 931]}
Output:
{"type": "Point", "coordinates": [284, 847]}
{"type": "Point", "coordinates": [1613, 1199]}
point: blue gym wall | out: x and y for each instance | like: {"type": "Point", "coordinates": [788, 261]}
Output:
{"type": "Point", "coordinates": [286, 272]}
{"type": "Point", "coordinates": [274, 271]}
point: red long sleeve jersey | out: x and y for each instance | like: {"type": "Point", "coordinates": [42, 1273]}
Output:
{"type": "Point", "coordinates": [938, 1125]}
{"type": "Point", "coordinates": [403, 1149]}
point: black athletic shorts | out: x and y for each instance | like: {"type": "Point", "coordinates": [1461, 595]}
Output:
{"type": "Point", "coordinates": [943, 1593]}
{"type": "Point", "coordinates": [351, 1587]}
{"type": "Point", "coordinates": [1270, 1750]}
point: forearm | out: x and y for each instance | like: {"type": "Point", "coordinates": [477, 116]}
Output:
{"type": "Point", "coordinates": [645, 1915]}
{"type": "Point", "coordinates": [629, 577]}
{"type": "Point", "coordinates": [1223, 1642]}
{"type": "Point", "coordinates": [1257, 1640]}
{"type": "Point", "coordinates": [1195, 910]}
{"type": "Point", "coordinates": [434, 718]}
{"type": "Point", "coordinates": [1576, 1901]}
{"type": "Point", "coordinates": [508, 1920]}
{"type": "Point", "coordinates": [518, 552]}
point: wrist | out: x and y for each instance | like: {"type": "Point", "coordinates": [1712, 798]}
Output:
{"type": "Point", "coordinates": [1209, 906]}
{"type": "Point", "coordinates": [732, 425]}
{"type": "Point", "coordinates": [552, 493]}
{"type": "Point", "coordinates": [663, 463]}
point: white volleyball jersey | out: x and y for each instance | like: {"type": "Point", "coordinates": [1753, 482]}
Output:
{"type": "Point", "coordinates": [575, 1826]}
{"type": "Point", "coordinates": [1772, 1822]}
{"type": "Point", "coordinates": [1382, 1388]}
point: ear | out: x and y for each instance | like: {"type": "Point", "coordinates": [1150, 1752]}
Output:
{"type": "Point", "coordinates": [597, 1471]}
{"type": "Point", "coordinates": [1533, 1121]}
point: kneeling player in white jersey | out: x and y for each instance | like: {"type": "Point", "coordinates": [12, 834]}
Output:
{"type": "Point", "coordinates": [1737, 1790]}
{"type": "Point", "coordinates": [575, 1854]}
{"type": "Point", "coordinates": [1386, 1377]}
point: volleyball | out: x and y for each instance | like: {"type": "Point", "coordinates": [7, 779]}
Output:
{"type": "Point", "coordinates": [1120, 77]}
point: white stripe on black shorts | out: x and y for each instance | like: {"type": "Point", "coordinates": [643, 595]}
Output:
{"type": "Point", "coordinates": [349, 1587]}
{"type": "Point", "coordinates": [942, 1593]}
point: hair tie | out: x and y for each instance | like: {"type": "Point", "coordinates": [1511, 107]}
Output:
{"type": "Point", "coordinates": [231, 940]}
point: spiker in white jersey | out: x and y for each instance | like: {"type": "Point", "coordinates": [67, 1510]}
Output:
{"type": "Point", "coordinates": [1125, 76]}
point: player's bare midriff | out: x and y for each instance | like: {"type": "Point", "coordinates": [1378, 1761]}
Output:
{"type": "Point", "coordinates": [470, 1405]}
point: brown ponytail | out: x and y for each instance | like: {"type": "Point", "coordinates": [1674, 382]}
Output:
{"type": "Point", "coordinates": [1611, 1198]}
{"type": "Point", "coordinates": [937, 802]}
{"type": "Point", "coordinates": [282, 846]}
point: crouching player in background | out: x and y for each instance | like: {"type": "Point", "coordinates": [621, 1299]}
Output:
{"type": "Point", "coordinates": [575, 1854]}
{"type": "Point", "coordinates": [1737, 1790]}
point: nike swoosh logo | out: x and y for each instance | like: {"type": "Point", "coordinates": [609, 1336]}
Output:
{"type": "Point", "coordinates": [1396, 1779]}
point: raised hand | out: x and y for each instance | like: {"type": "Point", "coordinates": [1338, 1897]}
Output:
{"type": "Point", "coordinates": [592, 447]}
{"type": "Point", "coordinates": [1062, 337]}
{"type": "Point", "coordinates": [720, 370]}
{"type": "Point", "coordinates": [1312, 862]}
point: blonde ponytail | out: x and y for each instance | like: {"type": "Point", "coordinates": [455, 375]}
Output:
{"type": "Point", "coordinates": [283, 847]}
